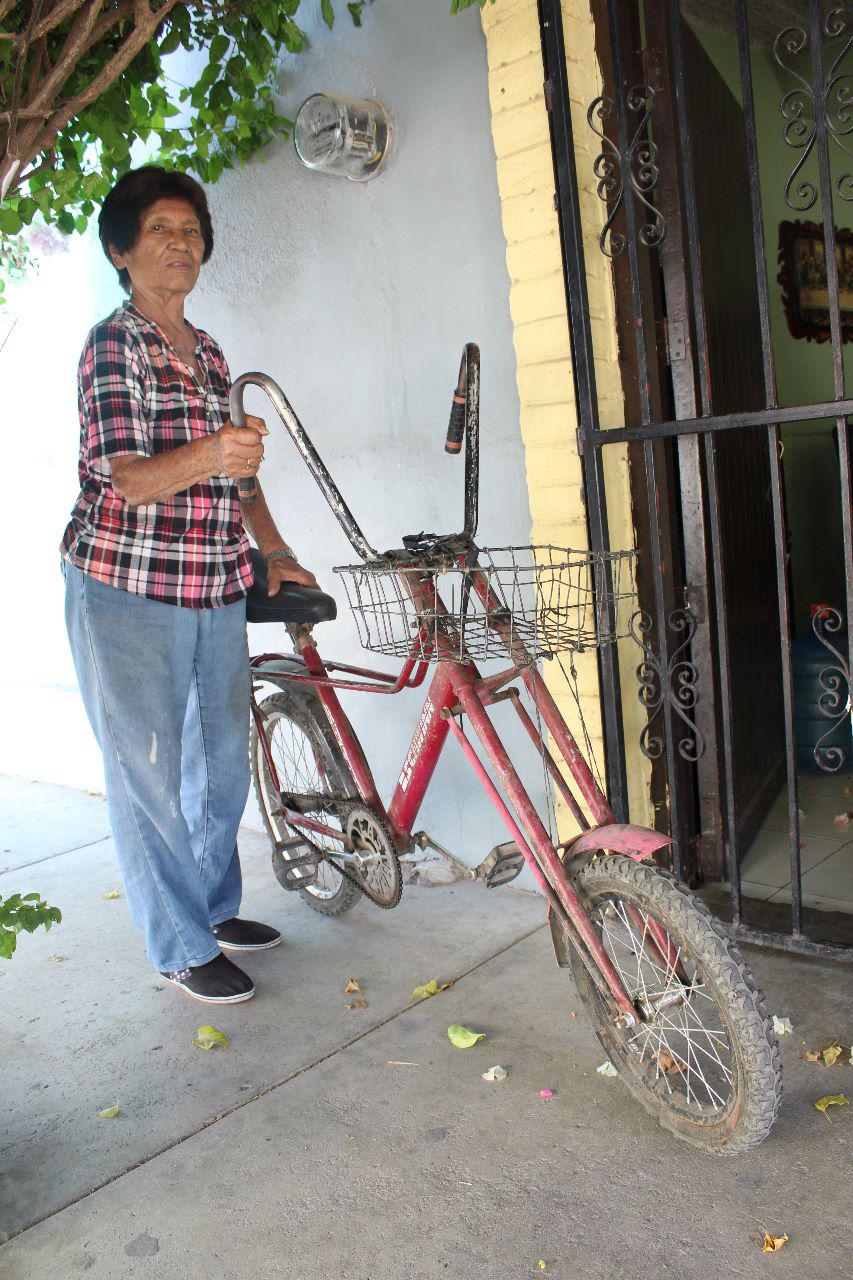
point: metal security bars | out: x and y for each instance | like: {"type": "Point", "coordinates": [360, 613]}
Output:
{"type": "Point", "coordinates": [680, 166]}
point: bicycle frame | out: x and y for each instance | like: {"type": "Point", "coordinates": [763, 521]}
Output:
{"type": "Point", "coordinates": [458, 688]}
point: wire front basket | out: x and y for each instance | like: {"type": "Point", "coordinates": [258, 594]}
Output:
{"type": "Point", "coordinates": [548, 599]}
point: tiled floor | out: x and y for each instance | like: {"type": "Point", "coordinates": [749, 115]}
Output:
{"type": "Point", "coordinates": [827, 847]}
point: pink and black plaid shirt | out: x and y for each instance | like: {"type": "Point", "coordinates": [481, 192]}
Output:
{"type": "Point", "coordinates": [136, 395]}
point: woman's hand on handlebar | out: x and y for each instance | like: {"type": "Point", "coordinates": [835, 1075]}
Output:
{"type": "Point", "coordinates": [239, 451]}
{"type": "Point", "coordinates": [289, 570]}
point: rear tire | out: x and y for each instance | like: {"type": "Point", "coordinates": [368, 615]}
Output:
{"type": "Point", "coordinates": [706, 1065]}
{"type": "Point", "coordinates": [307, 760]}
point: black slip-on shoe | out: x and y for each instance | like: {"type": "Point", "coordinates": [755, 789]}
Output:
{"type": "Point", "coordinates": [245, 935]}
{"type": "Point", "coordinates": [217, 982]}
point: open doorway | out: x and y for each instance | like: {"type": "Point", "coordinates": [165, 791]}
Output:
{"type": "Point", "coordinates": [717, 133]}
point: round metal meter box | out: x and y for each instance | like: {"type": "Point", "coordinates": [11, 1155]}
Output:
{"type": "Point", "coordinates": [347, 136]}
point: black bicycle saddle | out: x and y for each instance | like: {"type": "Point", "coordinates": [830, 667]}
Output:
{"type": "Point", "coordinates": [291, 603]}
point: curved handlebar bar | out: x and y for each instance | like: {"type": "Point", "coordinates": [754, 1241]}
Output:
{"type": "Point", "coordinates": [310, 455]}
{"type": "Point", "coordinates": [467, 397]}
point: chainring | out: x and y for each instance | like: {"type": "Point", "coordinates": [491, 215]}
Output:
{"type": "Point", "coordinates": [369, 833]}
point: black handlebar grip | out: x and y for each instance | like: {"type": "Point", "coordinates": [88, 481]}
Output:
{"type": "Point", "coordinates": [247, 489]}
{"type": "Point", "coordinates": [246, 485]}
{"type": "Point", "coordinates": [456, 426]}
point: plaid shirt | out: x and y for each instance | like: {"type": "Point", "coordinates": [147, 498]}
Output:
{"type": "Point", "coordinates": [136, 396]}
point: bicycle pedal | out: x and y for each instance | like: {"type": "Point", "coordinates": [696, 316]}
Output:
{"type": "Point", "coordinates": [500, 866]}
{"type": "Point", "coordinates": [294, 864]}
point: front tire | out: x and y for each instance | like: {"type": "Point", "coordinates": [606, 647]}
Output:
{"type": "Point", "coordinates": [307, 761]}
{"type": "Point", "coordinates": [705, 1063]}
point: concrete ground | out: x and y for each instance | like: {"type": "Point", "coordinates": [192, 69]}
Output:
{"type": "Point", "coordinates": [329, 1143]}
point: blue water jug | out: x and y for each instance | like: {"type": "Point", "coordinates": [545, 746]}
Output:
{"type": "Point", "coordinates": [810, 659]}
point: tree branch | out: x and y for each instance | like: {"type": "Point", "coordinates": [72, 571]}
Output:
{"type": "Point", "coordinates": [74, 46]}
{"type": "Point", "coordinates": [39, 139]}
{"type": "Point", "coordinates": [12, 158]}
{"type": "Point", "coordinates": [61, 10]}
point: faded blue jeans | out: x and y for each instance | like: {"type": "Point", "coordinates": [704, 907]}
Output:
{"type": "Point", "coordinates": [166, 690]}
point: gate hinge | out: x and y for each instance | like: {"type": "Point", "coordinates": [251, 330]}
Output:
{"type": "Point", "coordinates": [696, 599]}
{"type": "Point", "coordinates": [676, 341]}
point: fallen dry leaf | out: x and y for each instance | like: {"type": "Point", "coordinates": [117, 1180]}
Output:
{"type": "Point", "coordinates": [209, 1037]}
{"type": "Point", "coordinates": [782, 1026]}
{"type": "Point", "coordinates": [113, 893]}
{"type": "Point", "coordinates": [430, 988]}
{"type": "Point", "coordinates": [351, 986]}
{"type": "Point", "coordinates": [772, 1244]}
{"type": "Point", "coordinates": [813, 1055]}
{"type": "Point", "coordinates": [355, 1004]}
{"type": "Point", "coordinates": [59, 959]}
{"type": "Point", "coordinates": [669, 1064]}
{"type": "Point", "coordinates": [831, 1100]}
{"type": "Point", "coordinates": [607, 1068]}
{"type": "Point", "coordinates": [495, 1073]}
{"type": "Point", "coordinates": [395, 1062]}
{"type": "Point", "coordinates": [832, 1054]}
{"type": "Point", "coordinates": [109, 1112]}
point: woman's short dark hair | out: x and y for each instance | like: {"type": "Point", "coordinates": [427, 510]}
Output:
{"type": "Point", "coordinates": [133, 194]}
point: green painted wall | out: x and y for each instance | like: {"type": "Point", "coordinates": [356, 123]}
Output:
{"type": "Point", "coordinates": [803, 368]}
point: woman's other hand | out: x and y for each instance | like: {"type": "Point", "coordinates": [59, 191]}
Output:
{"type": "Point", "coordinates": [289, 570]}
{"type": "Point", "coordinates": [240, 450]}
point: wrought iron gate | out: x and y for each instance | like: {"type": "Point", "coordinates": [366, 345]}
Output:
{"type": "Point", "coordinates": [678, 169]}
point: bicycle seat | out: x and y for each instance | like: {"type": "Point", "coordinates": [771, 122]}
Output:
{"type": "Point", "coordinates": [291, 603]}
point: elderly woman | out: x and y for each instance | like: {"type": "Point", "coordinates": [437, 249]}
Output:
{"type": "Point", "coordinates": [157, 568]}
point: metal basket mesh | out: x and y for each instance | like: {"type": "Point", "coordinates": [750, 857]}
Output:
{"type": "Point", "coordinates": [552, 600]}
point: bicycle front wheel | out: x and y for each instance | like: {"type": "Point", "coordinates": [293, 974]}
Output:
{"type": "Point", "coordinates": [704, 1061]}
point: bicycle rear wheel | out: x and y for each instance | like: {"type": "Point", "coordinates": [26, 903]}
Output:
{"type": "Point", "coordinates": [308, 762]}
{"type": "Point", "coordinates": [705, 1062]}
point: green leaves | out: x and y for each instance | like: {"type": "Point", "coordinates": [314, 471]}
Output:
{"type": "Point", "coordinates": [227, 115]}
{"type": "Point", "coordinates": [463, 1037]}
{"type": "Point", "coordinates": [23, 912]}
{"type": "Point", "coordinates": [110, 1113]}
{"type": "Point", "coordinates": [209, 1038]}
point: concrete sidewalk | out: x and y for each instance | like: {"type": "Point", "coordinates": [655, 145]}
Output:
{"type": "Point", "coordinates": [305, 1151]}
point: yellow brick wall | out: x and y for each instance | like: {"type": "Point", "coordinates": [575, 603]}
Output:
{"type": "Point", "coordinates": [541, 334]}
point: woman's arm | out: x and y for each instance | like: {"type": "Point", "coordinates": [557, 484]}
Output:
{"type": "Point", "coordinates": [231, 451]}
{"type": "Point", "coordinates": [261, 526]}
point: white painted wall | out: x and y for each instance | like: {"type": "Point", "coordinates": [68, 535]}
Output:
{"type": "Point", "coordinates": [358, 300]}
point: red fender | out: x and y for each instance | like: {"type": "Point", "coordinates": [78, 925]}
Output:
{"type": "Point", "coordinates": [620, 837]}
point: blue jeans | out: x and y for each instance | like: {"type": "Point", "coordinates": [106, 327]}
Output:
{"type": "Point", "coordinates": [167, 690]}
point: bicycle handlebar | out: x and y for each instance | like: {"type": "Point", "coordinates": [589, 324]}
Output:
{"type": "Point", "coordinates": [311, 457]}
{"type": "Point", "coordinates": [246, 485]}
{"type": "Point", "coordinates": [464, 419]}
{"type": "Point", "coordinates": [467, 399]}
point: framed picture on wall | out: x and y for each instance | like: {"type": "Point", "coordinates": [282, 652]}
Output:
{"type": "Point", "coordinates": [803, 277]}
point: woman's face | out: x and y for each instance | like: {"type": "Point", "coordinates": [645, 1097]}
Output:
{"type": "Point", "coordinates": [166, 257]}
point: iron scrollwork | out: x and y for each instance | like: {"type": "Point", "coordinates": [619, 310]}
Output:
{"type": "Point", "coordinates": [801, 106]}
{"type": "Point", "coordinates": [834, 700]}
{"type": "Point", "coordinates": [638, 165]}
{"type": "Point", "coordinates": [677, 685]}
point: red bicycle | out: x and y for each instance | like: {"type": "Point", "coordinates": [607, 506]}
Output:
{"type": "Point", "coordinates": [667, 992]}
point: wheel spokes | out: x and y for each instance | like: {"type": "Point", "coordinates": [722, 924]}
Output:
{"type": "Point", "coordinates": [682, 1045]}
